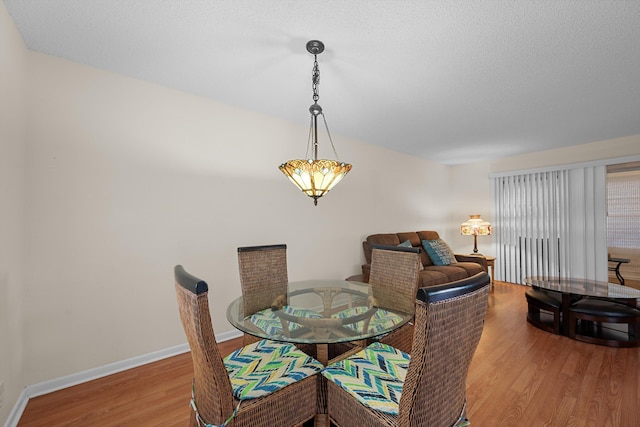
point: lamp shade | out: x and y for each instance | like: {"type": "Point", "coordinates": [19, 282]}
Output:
{"type": "Point", "coordinates": [475, 226]}
{"type": "Point", "coordinates": [315, 177]}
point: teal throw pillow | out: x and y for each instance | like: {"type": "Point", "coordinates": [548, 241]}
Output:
{"type": "Point", "coordinates": [405, 244]}
{"type": "Point", "coordinates": [439, 252]}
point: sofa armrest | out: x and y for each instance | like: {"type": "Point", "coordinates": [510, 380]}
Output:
{"type": "Point", "coordinates": [366, 269]}
{"type": "Point", "coordinates": [478, 259]}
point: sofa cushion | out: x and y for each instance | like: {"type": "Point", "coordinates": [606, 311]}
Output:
{"type": "Point", "coordinates": [389, 239]}
{"type": "Point", "coordinates": [432, 277]}
{"type": "Point", "coordinates": [472, 268]}
{"type": "Point", "coordinates": [439, 252]}
{"type": "Point", "coordinates": [412, 237]}
{"type": "Point", "coordinates": [428, 235]}
{"type": "Point", "coordinates": [452, 272]}
{"type": "Point", "coordinates": [386, 239]}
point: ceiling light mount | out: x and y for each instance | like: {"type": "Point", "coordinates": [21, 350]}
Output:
{"type": "Point", "coordinates": [315, 47]}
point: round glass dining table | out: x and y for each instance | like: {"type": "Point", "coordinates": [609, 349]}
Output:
{"type": "Point", "coordinates": [323, 312]}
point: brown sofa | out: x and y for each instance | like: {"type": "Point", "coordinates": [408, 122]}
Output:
{"type": "Point", "coordinates": [467, 265]}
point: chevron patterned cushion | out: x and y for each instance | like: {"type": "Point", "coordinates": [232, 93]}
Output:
{"type": "Point", "coordinates": [374, 376]}
{"type": "Point", "coordinates": [380, 321]}
{"type": "Point", "coordinates": [269, 322]}
{"type": "Point", "coordinates": [263, 367]}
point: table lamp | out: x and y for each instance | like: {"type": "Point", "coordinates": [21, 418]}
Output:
{"type": "Point", "coordinates": [475, 226]}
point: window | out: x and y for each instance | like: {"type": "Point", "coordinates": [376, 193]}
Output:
{"type": "Point", "coordinates": [623, 219]}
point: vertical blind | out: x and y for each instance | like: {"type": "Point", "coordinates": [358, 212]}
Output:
{"type": "Point", "coordinates": [551, 223]}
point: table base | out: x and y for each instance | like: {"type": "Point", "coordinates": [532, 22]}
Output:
{"type": "Point", "coordinates": [612, 335]}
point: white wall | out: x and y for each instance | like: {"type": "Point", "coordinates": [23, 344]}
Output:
{"type": "Point", "coordinates": [127, 179]}
{"type": "Point", "coordinates": [12, 210]}
{"type": "Point", "coordinates": [471, 187]}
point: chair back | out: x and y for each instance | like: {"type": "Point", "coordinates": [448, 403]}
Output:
{"type": "Point", "coordinates": [263, 275]}
{"type": "Point", "coordinates": [394, 277]}
{"type": "Point", "coordinates": [448, 324]}
{"type": "Point", "coordinates": [212, 387]}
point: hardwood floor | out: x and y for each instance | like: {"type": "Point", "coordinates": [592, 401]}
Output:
{"type": "Point", "coordinates": [629, 282]}
{"type": "Point", "coordinates": [520, 376]}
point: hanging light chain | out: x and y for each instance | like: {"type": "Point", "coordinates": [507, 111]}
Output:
{"type": "Point", "coordinates": [315, 82]}
{"type": "Point", "coordinates": [315, 78]}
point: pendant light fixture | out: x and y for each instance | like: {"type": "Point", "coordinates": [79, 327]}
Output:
{"type": "Point", "coordinates": [315, 177]}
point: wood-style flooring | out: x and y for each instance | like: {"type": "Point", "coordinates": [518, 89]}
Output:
{"type": "Point", "coordinates": [519, 376]}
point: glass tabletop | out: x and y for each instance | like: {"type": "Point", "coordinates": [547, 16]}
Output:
{"type": "Point", "coordinates": [322, 312]}
{"type": "Point", "coordinates": [583, 287]}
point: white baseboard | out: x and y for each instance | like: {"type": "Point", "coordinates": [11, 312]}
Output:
{"type": "Point", "coordinates": [95, 373]}
{"type": "Point", "coordinates": [18, 408]}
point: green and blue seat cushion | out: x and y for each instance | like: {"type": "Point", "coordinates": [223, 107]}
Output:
{"type": "Point", "coordinates": [381, 320]}
{"type": "Point", "coordinates": [266, 366]}
{"type": "Point", "coordinates": [269, 322]}
{"type": "Point", "coordinates": [374, 376]}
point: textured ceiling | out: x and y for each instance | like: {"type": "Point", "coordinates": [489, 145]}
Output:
{"type": "Point", "coordinates": [450, 81]}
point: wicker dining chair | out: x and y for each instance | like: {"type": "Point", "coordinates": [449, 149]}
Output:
{"type": "Point", "coordinates": [285, 394]}
{"type": "Point", "coordinates": [382, 386]}
{"type": "Point", "coordinates": [395, 276]}
{"type": "Point", "coordinates": [263, 278]}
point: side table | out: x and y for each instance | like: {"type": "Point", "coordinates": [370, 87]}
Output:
{"type": "Point", "coordinates": [491, 262]}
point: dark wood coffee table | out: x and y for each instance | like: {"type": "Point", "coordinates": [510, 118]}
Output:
{"type": "Point", "coordinates": [573, 289]}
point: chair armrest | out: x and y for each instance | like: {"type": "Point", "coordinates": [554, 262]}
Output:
{"type": "Point", "coordinates": [478, 259]}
